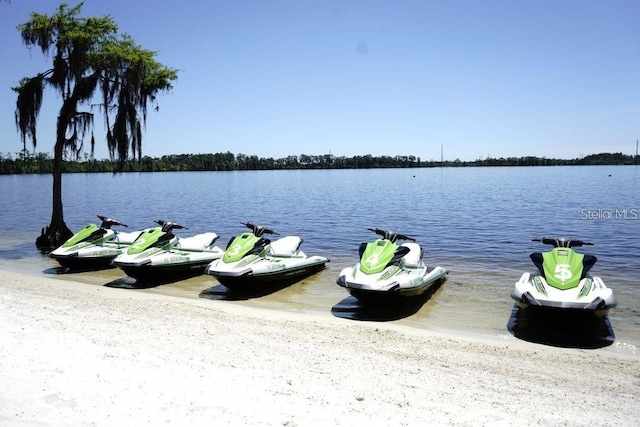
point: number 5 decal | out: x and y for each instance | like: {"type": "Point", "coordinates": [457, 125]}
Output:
{"type": "Point", "coordinates": [563, 272]}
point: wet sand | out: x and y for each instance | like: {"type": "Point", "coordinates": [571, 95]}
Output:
{"type": "Point", "coordinates": [75, 354]}
{"type": "Point", "coordinates": [473, 301]}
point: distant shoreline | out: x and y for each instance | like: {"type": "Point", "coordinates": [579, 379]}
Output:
{"type": "Point", "coordinates": [42, 163]}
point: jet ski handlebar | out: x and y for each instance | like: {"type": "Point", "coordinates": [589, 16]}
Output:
{"type": "Point", "coordinates": [391, 235]}
{"type": "Point", "coordinates": [258, 230]}
{"type": "Point", "coordinates": [167, 226]}
{"type": "Point", "coordinates": [108, 222]}
{"type": "Point", "coordinates": [562, 242]}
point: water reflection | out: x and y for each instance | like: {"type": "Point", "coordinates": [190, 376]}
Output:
{"type": "Point", "coordinates": [561, 328]}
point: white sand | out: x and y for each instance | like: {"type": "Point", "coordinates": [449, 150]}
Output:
{"type": "Point", "coordinates": [77, 354]}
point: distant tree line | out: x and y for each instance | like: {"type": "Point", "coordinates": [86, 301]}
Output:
{"type": "Point", "coordinates": [28, 163]}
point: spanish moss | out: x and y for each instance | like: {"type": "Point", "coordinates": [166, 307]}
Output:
{"type": "Point", "coordinates": [28, 107]}
{"type": "Point", "coordinates": [91, 61]}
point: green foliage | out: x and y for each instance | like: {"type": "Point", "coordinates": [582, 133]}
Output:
{"type": "Point", "coordinates": [608, 159]}
{"type": "Point", "coordinates": [131, 79]}
{"type": "Point", "coordinates": [90, 56]}
{"type": "Point", "coordinates": [42, 163]}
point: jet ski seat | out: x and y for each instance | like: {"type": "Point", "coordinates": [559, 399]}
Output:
{"type": "Point", "coordinates": [413, 258]}
{"type": "Point", "coordinates": [199, 242]}
{"type": "Point", "coordinates": [126, 238]}
{"type": "Point", "coordinates": [286, 246]}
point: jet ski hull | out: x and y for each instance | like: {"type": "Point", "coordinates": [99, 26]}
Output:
{"type": "Point", "coordinates": [76, 262]}
{"type": "Point", "coordinates": [149, 272]}
{"type": "Point", "coordinates": [260, 271]}
{"type": "Point", "coordinates": [396, 289]}
{"type": "Point", "coordinates": [186, 257]}
{"type": "Point", "coordinates": [590, 296]}
{"type": "Point", "coordinates": [249, 280]}
{"type": "Point", "coordinates": [87, 255]}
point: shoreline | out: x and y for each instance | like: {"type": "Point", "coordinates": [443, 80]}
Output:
{"type": "Point", "coordinates": [92, 355]}
{"type": "Point", "coordinates": [185, 163]}
{"type": "Point", "coordinates": [318, 295]}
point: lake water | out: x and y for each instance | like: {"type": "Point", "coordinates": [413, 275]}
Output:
{"type": "Point", "coordinates": [476, 222]}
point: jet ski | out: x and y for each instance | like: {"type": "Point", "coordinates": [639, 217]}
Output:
{"type": "Point", "coordinates": [251, 259]}
{"type": "Point", "coordinates": [563, 282]}
{"type": "Point", "coordinates": [94, 246]}
{"type": "Point", "coordinates": [388, 271]}
{"type": "Point", "coordinates": [159, 254]}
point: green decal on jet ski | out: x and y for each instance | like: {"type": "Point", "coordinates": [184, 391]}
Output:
{"type": "Point", "coordinates": [147, 238]}
{"type": "Point", "coordinates": [81, 235]}
{"type": "Point", "coordinates": [562, 268]}
{"type": "Point", "coordinates": [389, 273]}
{"type": "Point", "coordinates": [175, 259]}
{"type": "Point", "coordinates": [588, 283]}
{"type": "Point", "coordinates": [377, 255]}
{"type": "Point", "coordinates": [276, 266]}
{"type": "Point", "coordinates": [248, 260]}
{"type": "Point", "coordinates": [537, 281]}
{"type": "Point", "coordinates": [239, 247]}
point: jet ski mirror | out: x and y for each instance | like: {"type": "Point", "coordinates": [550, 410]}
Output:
{"type": "Point", "coordinates": [167, 226]}
{"type": "Point", "coordinates": [391, 235]}
{"type": "Point", "coordinates": [108, 222]}
{"type": "Point", "coordinates": [258, 230]}
{"type": "Point", "coordinates": [562, 242]}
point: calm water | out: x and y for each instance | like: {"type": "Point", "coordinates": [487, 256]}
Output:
{"type": "Point", "coordinates": [476, 222]}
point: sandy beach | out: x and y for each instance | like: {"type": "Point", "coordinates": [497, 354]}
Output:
{"type": "Point", "coordinates": [78, 354]}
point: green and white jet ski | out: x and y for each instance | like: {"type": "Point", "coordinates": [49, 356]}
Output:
{"type": "Point", "coordinates": [562, 281]}
{"type": "Point", "coordinates": [94, 246]}
{"type": "Point", "coordinates": [388, 271]}
{"type": "Point", "coordinates": [251, 259]}
{"type": "Point", "coordinates": [159, 254]}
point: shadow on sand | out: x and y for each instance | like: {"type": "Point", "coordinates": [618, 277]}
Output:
{"type": "Point", "coordinates": [560, 328]}
{"type": "Point", "coordinates": [382, 310]}
{"type": "Point", "coordinates": [239, 293]}
{"type": "Point", "coordinates": [131, 283]}
{"type": "Point", "coordinates": [79, 269]}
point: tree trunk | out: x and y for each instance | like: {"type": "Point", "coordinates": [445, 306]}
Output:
{"type": "Point", "coordinates": [57, 232]}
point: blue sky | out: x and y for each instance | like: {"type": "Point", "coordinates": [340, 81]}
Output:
{"type": "Point", "coordinates": [492, 78]}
